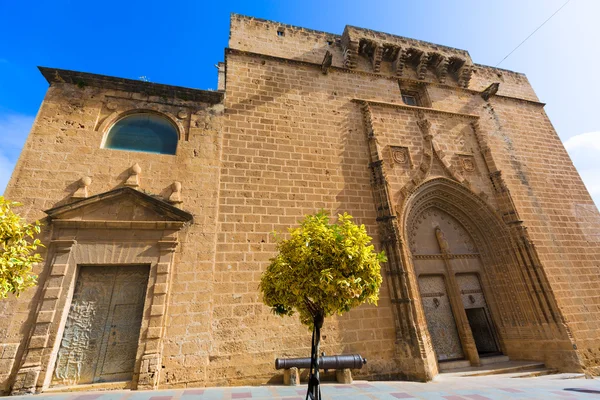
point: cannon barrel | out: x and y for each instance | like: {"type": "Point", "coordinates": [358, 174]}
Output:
{"type": "Point", "coordinates": [346, 361]}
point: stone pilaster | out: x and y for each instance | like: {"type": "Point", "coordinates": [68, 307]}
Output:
{"type": "Point", "coordinates": [26, 381]}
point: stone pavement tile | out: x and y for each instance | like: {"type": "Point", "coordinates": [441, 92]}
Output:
{"type": "Point", "coordinates": [157, 398]}
{"type": "Point", "coordinates": [87, 396]}
{"type": "Point", "coordinates": [432, 395]}
{"type": "Point", "coordinates": [241, 395]}
{"type": "Point", "coordinates": [511, 390]}
{"type": "Point", "coordinates": [565, 395]}
{"type": "Point", "coordinates": [144, 394]}
{"type": "Point", "coordinates": [402, 396]}
{"type": "Point", "coordinates": [363, 386]}
{"type": "Point", "coordinates": [210, 394]}
{"type": "Point", "coordinates": [193, 392]}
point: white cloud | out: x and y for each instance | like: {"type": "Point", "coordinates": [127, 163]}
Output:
{"type": "Point", "coordinates": [584, 150]}
{"type": "Point", "coordinates": [14, 128]}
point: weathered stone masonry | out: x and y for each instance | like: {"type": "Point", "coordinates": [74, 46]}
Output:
{"type": "Point", "coordinates": [489, 231]}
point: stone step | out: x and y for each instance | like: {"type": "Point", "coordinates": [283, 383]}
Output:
{"type": "Point", "coordinates": [536, 373]}
{"type": "Point", "coordinates": [493, 359]}
{"type": "Point", "coordinates": [445, 366]}
{"type": "Point", "coordinates": [508, 369]}
{"type": "Point", "coordinates": [448, 366]}
{"type": "Point", "coordinates": [90, 387]}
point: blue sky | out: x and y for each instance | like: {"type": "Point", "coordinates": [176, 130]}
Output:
{"type": "Point", "coordinates": [178, 43]}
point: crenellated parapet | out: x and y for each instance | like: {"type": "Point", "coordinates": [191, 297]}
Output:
{"type": "Point", "coordinates": [407, 58]}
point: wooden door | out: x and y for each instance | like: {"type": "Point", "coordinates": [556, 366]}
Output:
{"type": "Point", "coordinates": [440, 319]}
{"type": "Point", "coordinates": [101, 334]}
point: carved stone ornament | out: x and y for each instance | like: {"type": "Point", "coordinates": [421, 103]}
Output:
{"type": "Point", "coordinates": [326, 64]}
{"type": "Point", "coordinates": [490, 91]}
{"type": "Point", "coordinates": [133, 180]}
{"type": "Point", "coordinates": [400, 155]}
{"type": "Point", "coordinates": [175, 196]}
{"type": "Point", "coordinates": [82, 191]}
{"type": "Point", "coordinates": [467, 163]}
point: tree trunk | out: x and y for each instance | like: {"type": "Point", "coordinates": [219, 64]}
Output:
{"type": "Point", "coordinates": [314, 388]}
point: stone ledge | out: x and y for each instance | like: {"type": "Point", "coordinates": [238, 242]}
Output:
{"type": "Point", "coordinates": [415, 108]}
{"type": "Point", "coordinates": [82, 79]}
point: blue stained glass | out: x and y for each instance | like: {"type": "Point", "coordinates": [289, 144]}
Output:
{"type": "Point", "coordinates": [143, 132]}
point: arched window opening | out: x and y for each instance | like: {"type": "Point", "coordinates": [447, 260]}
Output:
{"type": "Point", "coordinates": [145, 132]}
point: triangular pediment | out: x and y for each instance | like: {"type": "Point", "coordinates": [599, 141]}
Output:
{"type": "Point", "coordinates": [441, 166]}
{"type": "Point", "coordinates": [123, 204]}
{"type": "Point", "coordinates": [438, 169]}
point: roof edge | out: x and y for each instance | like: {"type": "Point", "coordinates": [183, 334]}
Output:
{"type": "Point", "coordinates": [82, 79]}
{"type": "Point", "coordinates": [281, 24]}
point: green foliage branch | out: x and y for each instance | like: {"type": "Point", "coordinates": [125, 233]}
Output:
{"type": "Point", "coordinates": [323, 268]}
{"type": "Point", "coordinates": [17, 246]}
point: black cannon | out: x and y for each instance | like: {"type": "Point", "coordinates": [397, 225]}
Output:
{"type": "Point", "coordinates": [345, 361]}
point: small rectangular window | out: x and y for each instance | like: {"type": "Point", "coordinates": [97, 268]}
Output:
{"type": "Point", "coordinates": [280, 32]}
{"type": "Point", "coordinates": [409, 100]}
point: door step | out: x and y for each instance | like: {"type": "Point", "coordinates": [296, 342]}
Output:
{"type": "Point", "coordinates": [444, 366]}
{"type": "Point", "coordinates": [506, 368]}
{"type": "Point", "coordinates": [541, 372]}
{"type": "Point", "coordinates": [126, 385]}
{"type": "Point", "coordinates": [448, 366]}
{"type": "Point", "coordinates": [493, 360]}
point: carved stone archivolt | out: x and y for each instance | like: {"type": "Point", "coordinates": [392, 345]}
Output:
{"type": "Point", "coordinates": [522, 303]}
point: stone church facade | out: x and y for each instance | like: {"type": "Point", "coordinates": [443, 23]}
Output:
{"type": "Point", "coordinates": [158, 203]}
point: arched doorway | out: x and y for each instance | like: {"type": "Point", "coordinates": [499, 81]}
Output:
{"type": "Point", "coordinates": [448, 265]}
{"type": "Point", "coordinates": [456, 245]}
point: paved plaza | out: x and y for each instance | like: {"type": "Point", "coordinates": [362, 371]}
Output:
{"type": "Point", "coordinates": [445, 386]}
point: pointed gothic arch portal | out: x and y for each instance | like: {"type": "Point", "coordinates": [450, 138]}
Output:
{"type": "Point", "coordinates": [457, 246]}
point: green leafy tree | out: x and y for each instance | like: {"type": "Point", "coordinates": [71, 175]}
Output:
{"type": "Point", "coordinates": [18, 245]}
{"type": "Point", "coordinates": [322, 269]}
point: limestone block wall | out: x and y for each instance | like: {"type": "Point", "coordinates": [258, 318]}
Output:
{"type": "Point", "coordinates": [512, 84]}
{"type": "Point", "coordinates": [563, 221]}
{"type": "Point", "coordinates": [65, 145]}
{"type": "Point", "coordinates": [251, 82]}
{"type": "Point", "coordinates": [293, 144]}
{"type": "Point", "coordinates": [256, 35]}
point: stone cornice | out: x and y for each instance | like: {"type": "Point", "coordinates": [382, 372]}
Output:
{"type": "Point", "coordinates": [111, 224]}
{"type": "Point", "coordinates": [162, 208]}
{"type": "Point", "coordinates": [229, 50]}
{"type": "Point", "coordinates": [82, 79]}
{"type": "Point", "coordinates": [414, 108]}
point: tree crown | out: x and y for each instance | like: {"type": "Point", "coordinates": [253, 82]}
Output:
{"type": "Point", "coordinates": [324, 268]}
{"type": "Point", "coordinates": [17, 243]}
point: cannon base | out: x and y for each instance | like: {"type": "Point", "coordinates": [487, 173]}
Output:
{"type": "Point", "coordinates": [291, 376]}
{"type": "Point", "coordinates": [343, 375]}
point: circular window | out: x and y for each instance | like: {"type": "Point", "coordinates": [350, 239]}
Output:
{"type": "Point", "coordinates": [145, 132]}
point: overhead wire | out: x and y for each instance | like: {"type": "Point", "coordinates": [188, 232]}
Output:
{"type": "Point", "coordinates": [536, 29]}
